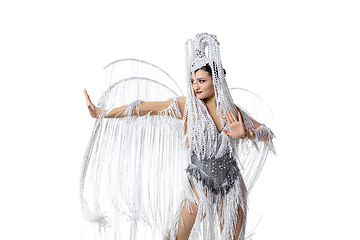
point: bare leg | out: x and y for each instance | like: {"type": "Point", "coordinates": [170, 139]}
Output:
{"type": "Point", "coordinates": [187, 221]}
{"type": "Point", "coordinates": [238, 222]}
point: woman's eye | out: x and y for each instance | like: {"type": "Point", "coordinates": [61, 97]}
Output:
{"type": "Point", "coordinates": [201, 81]}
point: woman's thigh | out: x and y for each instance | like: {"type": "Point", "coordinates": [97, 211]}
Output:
{"type": "Point", "coordinates": [187, 220]}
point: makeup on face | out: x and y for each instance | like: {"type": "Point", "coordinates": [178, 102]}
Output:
{"type": "Point", "coordinates": [203, 86]}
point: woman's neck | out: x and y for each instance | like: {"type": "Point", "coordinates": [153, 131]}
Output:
{"type": "Point", "coordinates": [210, 102]}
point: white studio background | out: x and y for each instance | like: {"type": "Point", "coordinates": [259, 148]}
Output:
{"type": "Point", "coordinates": [301, 57]}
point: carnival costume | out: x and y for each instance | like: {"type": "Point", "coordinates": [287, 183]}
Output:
{"type": "Point", "coordinates": [140, 171]}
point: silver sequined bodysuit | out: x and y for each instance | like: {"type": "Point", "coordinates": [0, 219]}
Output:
{"type": "Point", "coordinates": [217, 174]}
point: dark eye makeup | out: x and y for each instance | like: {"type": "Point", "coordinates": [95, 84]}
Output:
{"type": "Point", "coordinates": [200, 80]}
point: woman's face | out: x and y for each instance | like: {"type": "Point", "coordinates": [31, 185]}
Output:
{"type": "Point", "coordinates": [203, 88]}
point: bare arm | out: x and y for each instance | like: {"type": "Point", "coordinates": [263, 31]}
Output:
{"type": "Point", "coordinates": [258, 131]}
{"type": "Point", "coordinates": [251, 133]}
{"type": "Point", "coordinates": [141, 109]}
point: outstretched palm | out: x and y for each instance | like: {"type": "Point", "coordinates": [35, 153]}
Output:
{"type": "Point", "coordinates": [93, 110]}
{"type": "Point", "coordinates": [236, 126]}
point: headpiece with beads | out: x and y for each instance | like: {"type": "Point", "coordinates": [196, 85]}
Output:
{"type": "Point", "coordinates": [204, 50]}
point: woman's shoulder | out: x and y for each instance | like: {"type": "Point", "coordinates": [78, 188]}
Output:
{"type": "Point", "coordinates": [181, 100]}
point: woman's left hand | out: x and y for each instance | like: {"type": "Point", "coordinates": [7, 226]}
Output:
{"type": "Point", "coordinates": [237, 126]}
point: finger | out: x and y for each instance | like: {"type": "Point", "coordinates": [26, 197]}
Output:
{"type": "Point", "coordinates": [86, 96]}
{"type": "Point", "coordinates": [233, 119]}
{"type": "Point", "coordinates": [225, 131]}
{"type": "Point", "coordinates": [88, 101]}
{"type": "Point", "coordinates": [240, 118]}
{"type": "Point", "coordinates": [228, 117]}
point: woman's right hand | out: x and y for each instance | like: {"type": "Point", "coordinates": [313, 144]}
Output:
{"type": "Point", "coordinates": [93, 110]}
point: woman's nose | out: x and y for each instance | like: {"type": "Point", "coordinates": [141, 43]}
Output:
{"type": "Point", "coordinates": [196, 85]}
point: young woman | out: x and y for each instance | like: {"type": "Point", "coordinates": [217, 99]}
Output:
{"type": "Point", "coordinates": [226, 148]}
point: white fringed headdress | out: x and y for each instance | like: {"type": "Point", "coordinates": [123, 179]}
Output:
{"type": "Point", "coordinates": [205, 50]}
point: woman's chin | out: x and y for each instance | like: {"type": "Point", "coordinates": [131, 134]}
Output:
{"type": "Point", "coordinates": [199, 97]}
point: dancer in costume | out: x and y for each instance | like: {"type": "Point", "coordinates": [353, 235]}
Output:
{"type": "Point", "coordinates": [180, 168]}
